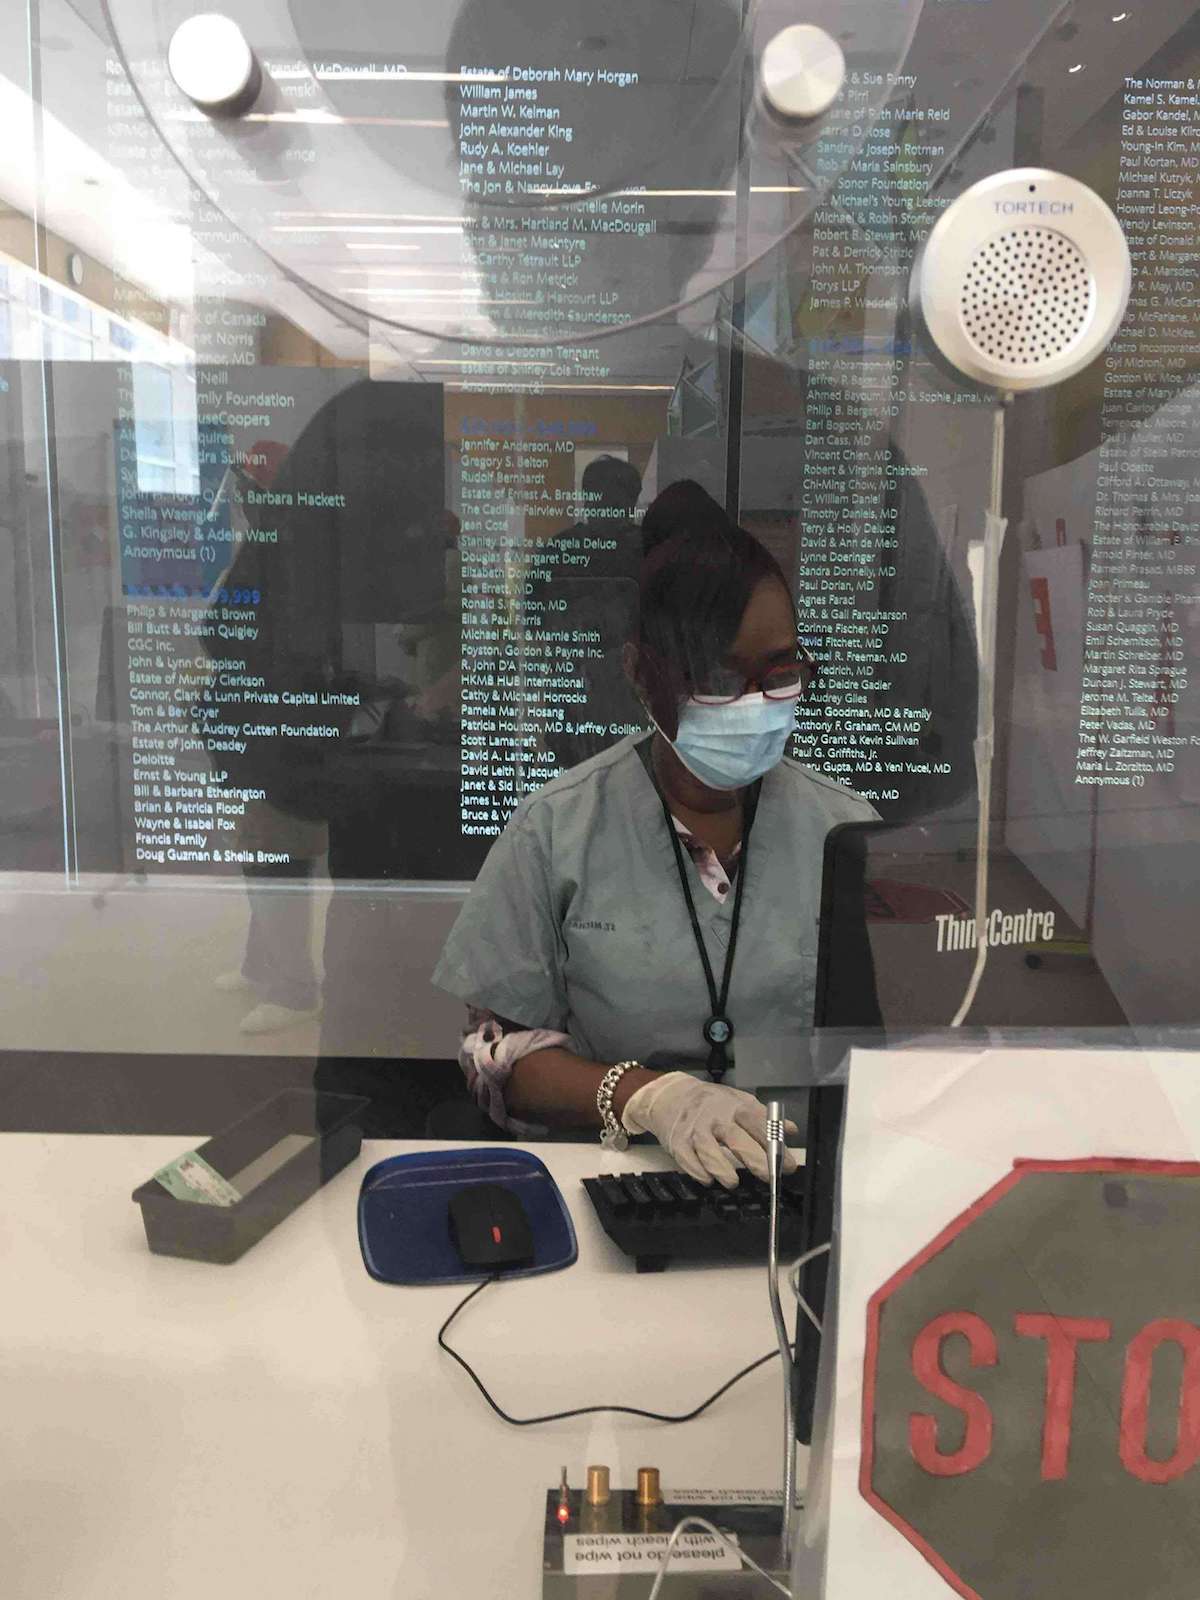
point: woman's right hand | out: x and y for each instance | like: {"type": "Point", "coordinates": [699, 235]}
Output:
{"type": "Point", "coordinates": [708, 1129]}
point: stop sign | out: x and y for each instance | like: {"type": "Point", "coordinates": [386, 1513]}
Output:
{"type": "Point", "coordinates": [1031, 1400]}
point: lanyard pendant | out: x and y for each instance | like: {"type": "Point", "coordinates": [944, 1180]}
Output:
{"type": "Point", "coordinates": [718, 1031]}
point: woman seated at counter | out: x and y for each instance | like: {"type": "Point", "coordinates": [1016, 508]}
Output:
{"type": "Point", "coordinates": [646, 906]}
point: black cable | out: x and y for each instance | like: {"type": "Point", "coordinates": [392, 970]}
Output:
{"type": "Point", "coordinates": [582, 1411]}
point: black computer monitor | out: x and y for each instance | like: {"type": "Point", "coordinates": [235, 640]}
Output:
{"type": "Point", "coordinates": [896, 952]}
{"type": "Point", "coordinates": [846, 998]}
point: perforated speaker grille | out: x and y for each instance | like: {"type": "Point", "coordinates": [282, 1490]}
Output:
{"type": "Point", "coordinates": [1026, 297]}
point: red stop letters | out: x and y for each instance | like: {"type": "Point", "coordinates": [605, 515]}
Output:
{"type": "Point", "coordinates": [1135, 1401]}
{"type": "Point", "coordinates": [927, 1369]}
{"type": "Point", "coordinates": [1062, 1336]}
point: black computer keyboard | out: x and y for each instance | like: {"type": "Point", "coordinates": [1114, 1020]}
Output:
{"type": "Point", "coordinates": [659, 1217]}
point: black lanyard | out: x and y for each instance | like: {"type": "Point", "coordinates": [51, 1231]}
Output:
{"type": "Point", "coordinates": [718, 1030]}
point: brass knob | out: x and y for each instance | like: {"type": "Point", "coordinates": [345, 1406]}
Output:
{"type": "Point", "coordinates": [648, 1491]}
{"type": "Point", "coordinates": [597, 1486]}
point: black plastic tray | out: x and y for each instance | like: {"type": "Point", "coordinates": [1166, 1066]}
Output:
{"type": "Point", "coordinates": [204, 1232]}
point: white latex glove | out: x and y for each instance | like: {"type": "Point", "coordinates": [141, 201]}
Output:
{"type": "Point", "coordinates": [708, 1129]}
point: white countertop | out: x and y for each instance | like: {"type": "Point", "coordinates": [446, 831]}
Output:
{"type": "Point", "coordinates": [286, 1426]}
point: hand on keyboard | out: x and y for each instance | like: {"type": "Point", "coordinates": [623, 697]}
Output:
{"type": "Point", "coordinates": [658, 1217]}
{"type": "Point", "coordinates": [709, 1129]}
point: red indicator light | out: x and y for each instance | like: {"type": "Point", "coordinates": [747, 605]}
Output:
{"type": "Point", "coordinates": [564, 1513]}
{"type": "Point", "coordinates": [495, 1235]}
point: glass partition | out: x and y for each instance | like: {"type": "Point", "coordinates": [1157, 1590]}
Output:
{"type": "Point", "coordinates": [495, 601]}
{"type": "Point", "coordinates": [331, 418]}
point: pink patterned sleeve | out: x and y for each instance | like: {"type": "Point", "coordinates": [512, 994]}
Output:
{"type": "Point", "coordinates": [490, 1049]}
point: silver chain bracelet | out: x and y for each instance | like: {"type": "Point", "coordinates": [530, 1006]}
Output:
{"type": "Point", "coordinates": [612, 1134]}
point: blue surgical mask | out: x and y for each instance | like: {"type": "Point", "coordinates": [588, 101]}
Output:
{"type": "Point", "coordinates": [728, 746]}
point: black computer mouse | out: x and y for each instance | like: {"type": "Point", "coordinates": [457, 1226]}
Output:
{"type": "Point", "coordinates": [489, 1227]}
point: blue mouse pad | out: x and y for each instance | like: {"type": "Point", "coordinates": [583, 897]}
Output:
{"type": "Point", "coordinates": [404, 1210]}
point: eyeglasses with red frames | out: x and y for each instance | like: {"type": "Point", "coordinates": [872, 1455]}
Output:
{"type": "Point", "coordinates": [791, 680]}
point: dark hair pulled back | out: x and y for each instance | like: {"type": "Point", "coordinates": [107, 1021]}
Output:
{"type": "Point", "coordinates": [699, 570]}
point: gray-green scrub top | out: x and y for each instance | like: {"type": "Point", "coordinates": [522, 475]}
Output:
{"type": "Point", "coordinates": [577, 920]}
